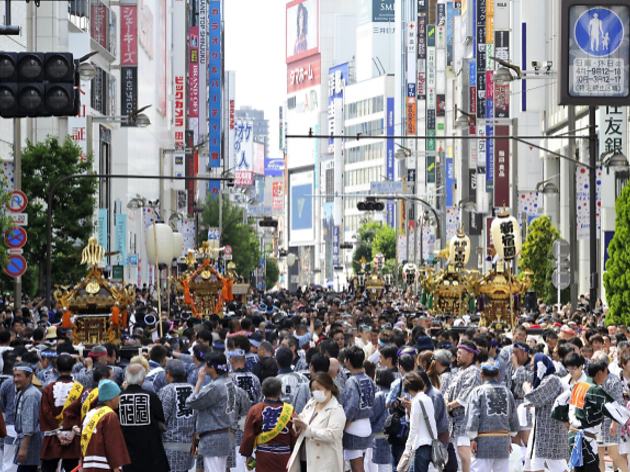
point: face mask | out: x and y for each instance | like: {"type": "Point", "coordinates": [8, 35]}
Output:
{"type": "Point", "coordinates": [319, 396]}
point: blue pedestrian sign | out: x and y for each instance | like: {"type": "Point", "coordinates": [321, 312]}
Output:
{"type": "Point", "coordinates": [594, 67]}
{"type": "Point", "coordinates": [16, 265]}
{"type": "Point", "coordinates": [599, 32]}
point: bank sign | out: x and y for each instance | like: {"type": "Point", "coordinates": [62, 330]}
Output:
{"type": "Point", "coordinates": [382, 11]}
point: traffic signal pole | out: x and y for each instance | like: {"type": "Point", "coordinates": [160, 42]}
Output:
{"type": "Point", "coordinates": [17, 185]}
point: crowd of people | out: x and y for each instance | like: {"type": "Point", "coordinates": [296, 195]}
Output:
{"type": "Point", "coordinates": [316, 381]}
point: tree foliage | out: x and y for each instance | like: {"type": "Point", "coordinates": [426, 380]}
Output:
{"type": "Point", "coordinates": [374, 238]}
{"type": "Point", "coordinates": [242, 238]}
{"type": "Point", "coordinates": [272, 272]}
{"type": "Point", "coordinates": [43, 164]}
{"type": "Point", "coordinates": [617, 274]}
{"type": "Point", "coordinates": [536, 255]}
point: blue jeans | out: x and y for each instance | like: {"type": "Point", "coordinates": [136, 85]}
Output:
{"type": "Point", "coordinates": [422, 459]}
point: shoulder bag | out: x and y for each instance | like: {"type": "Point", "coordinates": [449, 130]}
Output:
{"type": "Point", "coordinates": [439, 453]}
{"type": "Point", "coordinates": [395, 428]}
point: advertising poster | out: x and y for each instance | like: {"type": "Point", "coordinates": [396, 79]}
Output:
{"type": "Point", "coordinates": [301, 216]}
{"type": "Point", "coordinates": [277, 196]}
{"type": "Point", "coordinates": [302, 29]}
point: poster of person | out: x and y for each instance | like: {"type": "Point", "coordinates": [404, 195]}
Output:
{"type": "Point", "coordinates": [302, 29]}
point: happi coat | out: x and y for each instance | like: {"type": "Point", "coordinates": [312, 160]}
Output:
{"type": "Point", "coordinates": [27, 406]}
{"type": "Point", "coordinates": [107, 447]}
{"type": "Point", "coordinates": [215, 404]}
{"type": "Point", "coordinates": [522, 375]}
{"type": "Point", "coordinates": [463, 383]}
{"type": "Point", "coordinates": [491, 407]}
{"type": "Point", "coordinates": [549, 437]}
{"type": "Point", "coordinates": [358, 400]}
{"type": "Point", "coordinates": [271, 456]}
{"type": "Point", "coordinates": [140, 413]}
{"type": "Point", "coordinates": [179, 421]}
{"type": "Point", "coordinates": [54, 399]}
{"type": "Point", "coordinates": [614, 387]}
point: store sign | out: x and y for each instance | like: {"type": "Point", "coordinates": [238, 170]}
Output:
{"type": "Point", "coordinates": [193, 81]}
{"type": "Point", "coordinates": [99, 24]}
{"type": "Point", "coordinates": [214, 81]}
{"type": "Point", "coordinates": [244, 153]}
{"type": "Point", "coordinates": [278, 196]}
{"type": "Point", "coordinates": [304, 73]}
{"type": "Point", "coordinates": [129, 91]}
{"type": "Point", "coordinates": [613, 134]}
{"type": "Point", "coordinates": [128, 35]}
{"type": "Point", "coordinates": [501, 182]}
{"type": "Point", "coordinates": [179, 74]}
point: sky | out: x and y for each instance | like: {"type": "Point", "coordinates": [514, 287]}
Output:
{"type": "Point", "coordinates": [255, 49]}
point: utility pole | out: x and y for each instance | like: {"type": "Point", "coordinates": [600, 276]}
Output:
{"type": "Point", "coordinates": [573, 242]}
{"type": "Point", "coordinates": [592, 182]}
{"type": "Point", "coordinates": [17, 185]}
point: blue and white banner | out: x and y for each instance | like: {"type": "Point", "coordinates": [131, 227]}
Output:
{"type": "Point", "coordinates": [121, 239]}
{"type": "Point", "coordinates": [214, 82]}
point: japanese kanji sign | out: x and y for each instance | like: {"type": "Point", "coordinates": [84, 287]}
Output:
{"type": "Point", "coordinates": [214, 82]}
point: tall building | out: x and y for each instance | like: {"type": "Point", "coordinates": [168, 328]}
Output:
{"type": "Point", "coordinates": [260, 124]}
{"type": "Point", "coordinates": [320, 34]}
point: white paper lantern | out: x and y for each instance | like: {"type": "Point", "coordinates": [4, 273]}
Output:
{"type": "Point", "coordinates": [291, 259]}
{"type": "Point", "coordinates": [178, 244]}
{"type": "Point", "coordinates": [506, 236]}
{"type": "Point", "coordinates": [409, 272]}
{"type": "Point", "coordinates": [459, 250]}
{"type": "Point", "coordinates": [164, 238]}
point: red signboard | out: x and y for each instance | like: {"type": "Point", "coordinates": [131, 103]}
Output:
{"type": "Point", "coordinates": [278, 196]}
{"type": "Point", "coordinates": [193, 72]}
{"type": "Point", "coordinates": [502, 167]}
{"type": "Point", "coordinates": [99, 25]}
{"type": "Point", "coordinates": [128, 35]}
{"type": "Point", "coordinates": [304, 73]}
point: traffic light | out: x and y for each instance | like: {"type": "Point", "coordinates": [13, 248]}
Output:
{"type": "Point", "coordinates": [268, 222]}
{"type": "Point", "coordinates": [370, 204]}
{"type": "Point", "coordinates": [39, 84]}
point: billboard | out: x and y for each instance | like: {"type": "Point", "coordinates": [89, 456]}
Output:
{"type": "Point", "coordinates": [179, 73]}
{"type": "Point", "coordinates": [244, 153]}
{"type": "Point", "coordinates": [259, 158]}
{"type": "Point", "coordinates": [193, 81]}
{"type": "Point", "coordinates": [274, 167]}
{"type": "Point", "coordinates": [302, 214]}
{"type": "Point", "coordinates": [337, 80]}
{"type": "Point", "coordinates": [304, 73]}
{"type": "Point", "coordinates": [302, 29]}
{"type": "Point", "coordinates": [277, 196]}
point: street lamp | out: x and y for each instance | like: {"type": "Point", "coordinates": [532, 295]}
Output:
{"type": "Point", "coordinates": [402, 152]}
{"type": "Point", "coordinates": [467, 204]}
{"type": "Point", "coordinates": [614, 159]}
{"type": "Point", "coordinates": [503, 76]}
{"type": "Point", "coordinates": [546, 187]}
{"type": "Point", "coordinates": [463, 121]}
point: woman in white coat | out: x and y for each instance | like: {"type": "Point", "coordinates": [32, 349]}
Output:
{"type": "Point", "coordinates": [321, 425]}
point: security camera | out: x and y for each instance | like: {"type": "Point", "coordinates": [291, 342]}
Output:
{"type": "Point", "coordinates": [230, 183]}
{"type": "Point", "coordinates": [537, 65]}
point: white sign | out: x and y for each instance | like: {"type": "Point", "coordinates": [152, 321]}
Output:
{"type": "Point", "coordinates": [179, 170]}
{"type": "Point", "coordinates": [19, 219]}
{"type": "Point", "coordinates": [386, 187]}
{"type": "Point", "coordinates": [244, 153]}
{"type": "Point", "coordinates": [613, 129]}
{"type": "Point", "coordinates": [301, 75]}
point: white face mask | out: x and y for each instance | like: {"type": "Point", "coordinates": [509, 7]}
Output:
{"type": "Point", "coordinates": [319, 396]}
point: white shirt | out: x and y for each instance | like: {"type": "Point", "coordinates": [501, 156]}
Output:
{"type": "Point", "coordinates": [566, 380]}
{"type": "Point", "coordinates": [419, 435]}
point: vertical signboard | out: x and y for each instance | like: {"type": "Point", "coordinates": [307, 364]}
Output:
{"type": "Point", "coordinates": [501, 182]}
{"type": "Point", "coordinates": [193, 82]}
{"type": "Point", "coordinates": [474, 218]}
{"type": "Point", "coordinates": [203, 64]}
{"type": "Point", "coordinates": [244, 153]}
{"type": "Point", "coordinates": [162, 57]}
{"type": "Point", "coordinates": [179, 74]}
{"type": "Point", "coordinates": [103, 228]}
{"type": "Point", "coordinates": [277, 202]}
{"type": "Point", "coordinates": [191, 171]}
{"type": "Point", "coordinates": [613, 129]}
{"type": "Point", "coordinates": [128, 58]}
{"type": "Point", "coordinates": [214, 82]}
{"type": "Point", "coordinates": [390, 158]}
{"type": "Point", "coordinates": [502, 92]}
{"type": "Point", "coordinates": [121, 238]}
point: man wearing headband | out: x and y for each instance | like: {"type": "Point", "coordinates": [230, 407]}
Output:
{"type": "Point", "coordinates": [520, 335]}
{"type": "Point", "coordinates": [490, 421]}
{"type": "Point", "coordinates": [27, 406]}
{"type": "Point", "coordinates": [521, 373]}
{"type": "Point", "coordinates": [217, 408]}
{"type": "Point", "coordinates": [464, 381]}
